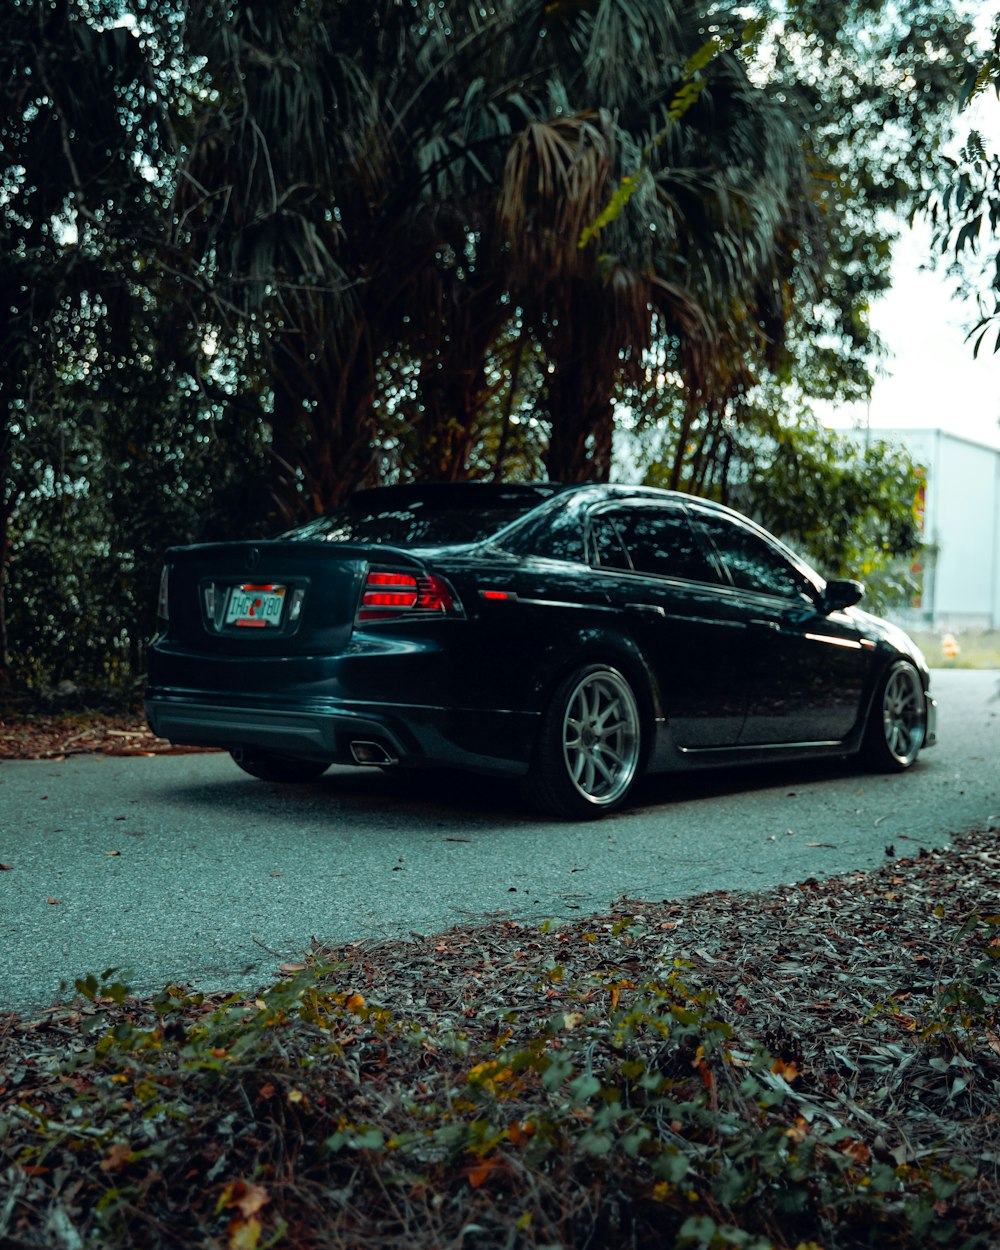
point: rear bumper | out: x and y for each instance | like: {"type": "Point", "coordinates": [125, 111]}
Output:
{"type": "Point", "coordinates": [495, 742]}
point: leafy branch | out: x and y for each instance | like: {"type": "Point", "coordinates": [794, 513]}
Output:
{"type": "Point", "coordinates": [693, 83]}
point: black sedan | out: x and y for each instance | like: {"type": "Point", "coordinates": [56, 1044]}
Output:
{"type": "Point", "coordinates": [572, 636]}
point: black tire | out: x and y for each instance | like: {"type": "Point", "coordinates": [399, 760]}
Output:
{"type": "Point", "coordinates": [268, 766]}
{"type": "Point", "coordinates": [897, 720]}
{"type": "Point", "coordinates": [589, 748]}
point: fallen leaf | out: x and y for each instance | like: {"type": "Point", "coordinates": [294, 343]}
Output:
{"type": "Point", "coordinates": [53, 900]}
{"type": "Point", "coordinates": [520, 1131]}
{"type": "Point", "coordinates": [118, 1157]}
{"type": "Point", "coordinates": [244, 1234]}
{"type": "Point", "coordinates": [479, 1173]}
{"type": "Point", "coordinates": [6, 867]}
{"type": "Point", "coordinates": [112, 852]}
{"type": "Point", "coordinates": [247, 1199]}
{"type": "Point", "coordinates": [250, 1203]}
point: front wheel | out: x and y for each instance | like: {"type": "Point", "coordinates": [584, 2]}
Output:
{"type": "Point", "coordinates": [589, 746]}
{"type": "Point", "coordinates": [897, 722]}
{"type": "Point", "coordinates": [269, 766]}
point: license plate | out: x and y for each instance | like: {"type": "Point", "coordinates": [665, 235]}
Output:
{"type": "Point", "coordinates": [255, 607]}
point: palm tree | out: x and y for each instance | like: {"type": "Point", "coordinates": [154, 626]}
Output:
{"type": "Point", "coordinates": [339, 189]}
{"type": "Point", "coordinates": [702, 254]}
{"type": "Point", "coordinates": [371, 179]}
{"type": "Point", "coordinates": [283, 154]}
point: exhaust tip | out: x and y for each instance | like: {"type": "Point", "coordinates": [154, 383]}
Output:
{"type": "Point", "coordinates": [371, 753]}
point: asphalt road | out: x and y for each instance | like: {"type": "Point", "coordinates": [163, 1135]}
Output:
{"type": "Point", "coordinates": [181, 868]}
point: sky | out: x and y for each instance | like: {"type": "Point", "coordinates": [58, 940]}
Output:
{"type": "Point", "coordinates": [930, 377]}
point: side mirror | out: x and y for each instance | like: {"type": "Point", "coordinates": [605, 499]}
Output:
{"type": "Point", "coordinates": [841, 592]}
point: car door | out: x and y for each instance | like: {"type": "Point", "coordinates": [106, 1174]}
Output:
{"type": "Point", "coordinates": [807, 668]}
{"type": "Point", "coordinates": [661, 576]}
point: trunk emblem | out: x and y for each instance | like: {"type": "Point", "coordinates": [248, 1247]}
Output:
{"type": "Point", "coordinates": [253, 558]}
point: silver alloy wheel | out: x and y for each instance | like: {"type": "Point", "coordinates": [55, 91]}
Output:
{"type": "Point", "coordinates": [904, 715]}
{"type": "Point", "coordinates": [600, 736]}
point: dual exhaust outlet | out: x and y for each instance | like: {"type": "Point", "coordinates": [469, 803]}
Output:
{"type": "Point", "coordinates": [371, 753]}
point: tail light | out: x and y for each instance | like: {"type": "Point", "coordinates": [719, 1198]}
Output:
{"type": "Point", "coordinates": [389, 596]}
{"type": "Point", "coordinates": [163, 599]}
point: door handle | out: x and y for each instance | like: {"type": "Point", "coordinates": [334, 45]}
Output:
{"type": "Point", "coordinates": [646, 609]}
{"type": "Point", "coordinates": [763, 624]}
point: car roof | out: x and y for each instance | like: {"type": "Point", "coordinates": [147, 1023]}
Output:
{"type": "Point", "coordinates": [458, 494]}
{"type": "Point", "coordinates": [493, 494]}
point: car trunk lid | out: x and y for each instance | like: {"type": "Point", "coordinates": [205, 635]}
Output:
{"type": "Point", "coordinates": [273, 596]}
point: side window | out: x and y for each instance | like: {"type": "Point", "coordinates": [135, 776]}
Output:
{"type": "Point", "coordinates": [555, 537]}
{"type": "Point", "coordinates": [609, 549]}
{"type": "Point", "coordinates": [658, 540]}
{"type": "Point", "coordinates": [752, 562]}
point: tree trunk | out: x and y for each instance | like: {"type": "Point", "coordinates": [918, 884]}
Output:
{"type": "Point", "coordinates": [323, 427]}
{"type": "Point", "coordinates": [7, 497]}
{"type": "Point", "coordinates": [5, 673]}
{"type": "Point", "coordinates": [581, 439]}
{"type": "Point", "coordinates": [691, 408]}
{"type": "Point", "coordinates": [508, 408]}
{"type": "Point", "coordinates": [453, 385]}
{"type": "Point", "coordinates": [581, 408]}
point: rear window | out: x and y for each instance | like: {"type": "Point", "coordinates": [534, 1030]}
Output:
{"type": "Point", "coordinates": [425, 516]}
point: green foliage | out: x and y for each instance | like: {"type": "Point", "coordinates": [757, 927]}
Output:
{"type": "Point", "coordinates": [963, 206]}
{"type": "Point", "coordinates": [631, 1111]}
{"type": "Point", "coordinates": [692, 85]}
{"type": "Point", "coordinates": [121, 429]}
{"type": "Point", "coordinates": [875, 88]}
{"type": "Point", "coordinates": [259, 256]}
{"type": "Point", "coordinates": [849, 505]}
{"type": "Point", "coordinates": [154, 465]}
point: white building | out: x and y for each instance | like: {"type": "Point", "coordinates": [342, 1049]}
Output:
{"type": "Point", "coordinates": [961, 524]}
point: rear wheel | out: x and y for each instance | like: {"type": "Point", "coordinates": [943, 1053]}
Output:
{"type": "Point", "coordinates": [897, 723]}
{"type": "Point", "coordinates": [589, 747]}
{"type": "Point", "coordinates": [269, 766]}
